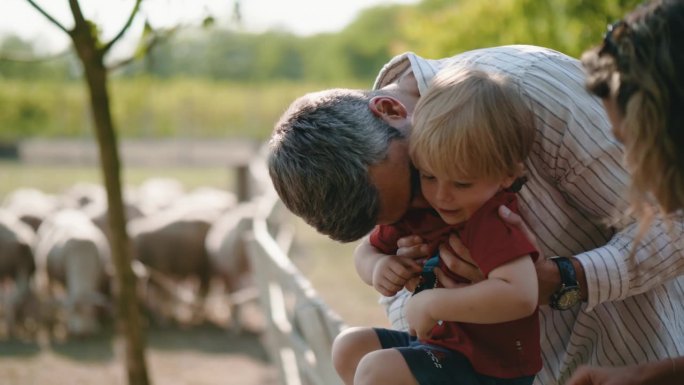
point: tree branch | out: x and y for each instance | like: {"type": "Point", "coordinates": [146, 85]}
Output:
{"type": "Point", "coordinates": [123, 30]}
{"type": "Point", "coordinates": [76, 11]}
{"type": "Point", "coordinates": [156, 38]}
{"type": "Point", "coordinates": [48, 16]}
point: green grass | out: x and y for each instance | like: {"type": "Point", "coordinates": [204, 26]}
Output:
{"type": "Point", "coordinates": [147, 108]}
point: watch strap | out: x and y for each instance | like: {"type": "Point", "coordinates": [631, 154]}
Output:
{"type": "Point", "coordinates": [568, 293]}
{"type": "Point", "coordinates": [567, 271]}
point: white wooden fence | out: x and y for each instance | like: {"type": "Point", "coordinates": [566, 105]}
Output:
{"type": "Point", "coordinates": [300, 327]}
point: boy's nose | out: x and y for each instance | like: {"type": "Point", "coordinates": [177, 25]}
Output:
{"type": "Point", "coordinates": [443, 193]}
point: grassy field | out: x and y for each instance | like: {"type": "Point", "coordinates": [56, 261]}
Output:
{"type": "Point", "coordinates": [326, 263]}
{"type": "Point", "coordinates": [148, 108]}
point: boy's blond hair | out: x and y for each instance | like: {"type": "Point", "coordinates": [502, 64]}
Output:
{"type": "Point", "coordinates": [471, 124]}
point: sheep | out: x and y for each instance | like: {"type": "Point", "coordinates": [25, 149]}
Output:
{"type": "Point", "coordinates": [17, 267]}
{"type": "Point", "coordinates": [74, 257]}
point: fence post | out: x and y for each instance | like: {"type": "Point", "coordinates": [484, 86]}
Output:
{"type": "Point", "coordinates": [242, 182]}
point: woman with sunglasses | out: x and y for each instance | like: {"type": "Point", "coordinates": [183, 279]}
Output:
{"type": "Point", "coordinates": [638, 71]}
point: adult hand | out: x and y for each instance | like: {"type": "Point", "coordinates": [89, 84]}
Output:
{"type": "Point", "coordinates": [548, 277]}
{"type": "Point", "coordinates": [587, 375]}
{"type": "Point", "coordinates": [660, 372]}
{"type": "Point", "coordinates": [459, 262]}
{"type": "Point", "coordinates": [516, 220]}
{"type": "Point", "coordinates": [418, 315]}
{"type": "Point", "coordinates": [547, 271]}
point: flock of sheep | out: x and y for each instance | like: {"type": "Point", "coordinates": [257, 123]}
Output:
{"type": "Point", "coordinates": [55, 262]}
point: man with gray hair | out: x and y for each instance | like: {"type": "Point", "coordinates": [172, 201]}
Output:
{"type": "Point", "coordinates": [339, 160]}
{"type": "Point", "coordinates": [321, 170]}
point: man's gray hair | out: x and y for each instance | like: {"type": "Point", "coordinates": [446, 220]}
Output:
{"type": "Point", "coordinates": [319, 156]}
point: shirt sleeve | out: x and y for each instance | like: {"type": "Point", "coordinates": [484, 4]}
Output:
{"type": "Point", "coordinates": [384, 238]}
{"type": "Point", "coordinates": [493, 242]}
{"type": "Point", "coordinates": [623, 268]}
{"type": "Point", "coordinates": [586, 165]}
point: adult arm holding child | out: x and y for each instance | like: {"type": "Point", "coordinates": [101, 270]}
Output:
{"type": "Point", "coordinates": [509, 292]}
{"type": "Point", "coordinates": [548, 276]}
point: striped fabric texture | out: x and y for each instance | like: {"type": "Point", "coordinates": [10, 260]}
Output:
{"type": "Point", "coordinates": [576, 184]}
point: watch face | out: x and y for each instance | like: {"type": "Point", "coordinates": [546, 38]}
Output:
{"type": "Point", "coordinates": [568, 299]}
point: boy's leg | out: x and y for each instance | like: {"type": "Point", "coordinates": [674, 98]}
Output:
{"type": "Point", "coordinates": [414, 364]}
{"type": "Point", "coordinates": [386, 366]}
{"type": "Point", "coordinates": [350, 347]}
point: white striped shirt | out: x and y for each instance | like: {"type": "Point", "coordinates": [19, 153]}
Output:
{"type": "Point", "coordinates": [577, 181]}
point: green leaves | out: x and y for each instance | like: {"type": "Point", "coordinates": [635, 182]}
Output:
{"type": "Point", "coordinates": [443, 28]}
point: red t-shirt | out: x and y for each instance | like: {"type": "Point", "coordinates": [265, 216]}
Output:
{"type": "Point", "coordinates": [505, 350]}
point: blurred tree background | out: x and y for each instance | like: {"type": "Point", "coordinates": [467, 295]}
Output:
{"type": "Point", "coordinates": [217, 81]}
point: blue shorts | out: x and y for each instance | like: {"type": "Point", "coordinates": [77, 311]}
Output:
{"type": "Point", "coordinates": [435, 365]}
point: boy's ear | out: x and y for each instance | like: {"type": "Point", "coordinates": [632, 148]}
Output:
{"type": "Point", "coordinates": [388, 109]}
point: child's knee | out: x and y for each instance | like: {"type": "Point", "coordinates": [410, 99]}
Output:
{"type": "Point", "coordinates": [367, 369]}
{"type": "Point", "coordinates": [385, 366]}
{"type": "Point", "coordinates": [349, 346]}
{"type": "Point", "coordinates": [378, 367]}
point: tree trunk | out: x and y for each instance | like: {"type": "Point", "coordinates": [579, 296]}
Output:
{"type": "Point", "coordinates": [128, 310]}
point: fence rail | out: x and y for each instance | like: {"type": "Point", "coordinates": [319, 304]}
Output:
{"type": "Point", "coordinates": [300, 326]}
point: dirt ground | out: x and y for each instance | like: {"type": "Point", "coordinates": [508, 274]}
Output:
{"type": "Point", "coordinates": [204, 355]}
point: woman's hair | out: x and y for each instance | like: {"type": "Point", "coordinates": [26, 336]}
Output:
{"type": "Point", "coordinates": [471, 124]}
{"type": "Point", "coordinates": [640, 65]}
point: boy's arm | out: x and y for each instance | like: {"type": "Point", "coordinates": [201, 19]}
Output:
{"type": "Point", "coordinates": [386, 273]}
{"type": "Point", "coordinates": [365, 258]}
{"type": "Point", "coordinates": [510, 292]}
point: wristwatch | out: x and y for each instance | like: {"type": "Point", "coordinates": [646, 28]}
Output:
{"type": "Point", "coordinates": [569, 293]}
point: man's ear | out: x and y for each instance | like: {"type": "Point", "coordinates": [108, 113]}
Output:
{"type": "Point", "coordinates": [388, 109]}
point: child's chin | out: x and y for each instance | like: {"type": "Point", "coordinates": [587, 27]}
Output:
{"type": "Point", "coordinates": [453, 220]}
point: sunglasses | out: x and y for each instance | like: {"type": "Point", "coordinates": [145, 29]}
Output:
{"type": "Point", "coordinates": [609, 44]}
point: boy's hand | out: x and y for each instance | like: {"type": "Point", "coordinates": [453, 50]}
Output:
{"type": "Point", "coordinates": [418, 315]}
{"type": "Point", "coordinates": [413, 247]}
{"type": "Point", "coordinates": [412, 283]}
{"type": "Point", "coordinates": [392, 272]}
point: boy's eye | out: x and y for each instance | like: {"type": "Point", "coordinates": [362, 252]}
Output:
{"type": "Point", "coordinates": [426, 176]}
{"type": "Point", "coordinates": [462, 184]}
